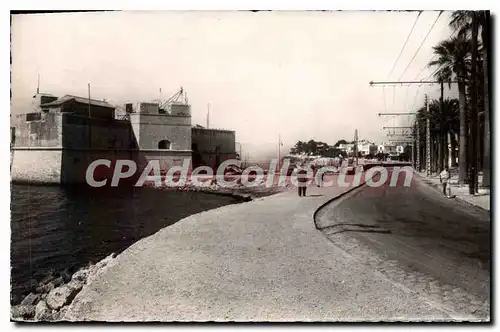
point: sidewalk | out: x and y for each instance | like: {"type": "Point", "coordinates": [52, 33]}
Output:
{"type": "Point", "coordinates": [461, 192]}
{"type": "Point", "coordinates": [258, 261]}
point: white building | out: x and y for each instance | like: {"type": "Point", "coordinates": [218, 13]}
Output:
{"type": "Point", "coordinates": [348, 148]}
{"type": "Point", "coordinates": [364, 146]}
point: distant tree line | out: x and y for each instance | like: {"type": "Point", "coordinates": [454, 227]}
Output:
{"type": "Point", "coordinates": [314, 148]}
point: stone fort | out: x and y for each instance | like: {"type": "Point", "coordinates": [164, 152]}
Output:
{"type": "Point", "coordinates": [60, 137]}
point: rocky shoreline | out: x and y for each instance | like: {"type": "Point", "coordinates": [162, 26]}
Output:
{"type": "Point", "coordinates": [51, 298]}
{"type": "Point", "coordinates": [239, 191]}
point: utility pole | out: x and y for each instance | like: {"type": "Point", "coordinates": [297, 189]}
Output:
{"type": "Point", "coordinates": [417, 164]}
{"type": "Point", "coordinates": [413, 152]}
{"type": "Point", "coordinates": [279, 152]}
{"type": "Point", "coordinates": [88, 86]}
{"type": "Point", "coordinates": [209, 136]}
{"type": "Point", "coordinates": [208, 116]}
{"type": "Point", "coordinates": [418, 145]}
{"type": "Point", "coordinates": [428, 139]}
{"type": "Point", "coordinates": [38, 85]}
{"type": "Point", "coordinates": [404, 127]}
{"type": "Point", "coordinates": [401, 83]}
{"type": "Point", "coordinates": [356, 145]}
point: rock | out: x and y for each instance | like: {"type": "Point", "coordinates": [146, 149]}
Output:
{"type": "Point", "coordinates": [57, 282]}
{"type": "Point", "coordinates": [66, 275]}
{"type": "Point", "coordinates": [75, 285]}
{"type": "Point", "coordinates": [45, 288]}
{"type": "Point", "coordinates": [48, 278]}
{"type": "Point", "coordinates": [93, 273]}
{"type": "Point", "coordinates": [22, 312]}
{"type": "Point", "coordinates": [33, 285]}
{"type": "Point", "coordinates": [100, 264]}
{"type": "Point", "coordinates": [43, 312]}
{"type": "Point", "coordinates": [60, 296]}
{"type": "Point", "coordinates": [60, 314]}
{"type": "Point", "coordinates": [81, 275]}
{"type": "Point", "coordinates": [31, 299]}
{"type": "Point", "coordinates": [96, 270]}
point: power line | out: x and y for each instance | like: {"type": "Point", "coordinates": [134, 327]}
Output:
{"type": "Point", "coordinates": [439, 68]}
{"type": "Point", "coordinates": [415, 98]}
{"type": "Point", "coordinates": [422, 43]}
{"type": "Point", "coordinates": [404, 45]}
{"type": "Point", "coordinates": [424, 67]}
{"type": "Point", "coordinates": [434, 72]}
{"type": "Point", "coordinates": [434, 56]}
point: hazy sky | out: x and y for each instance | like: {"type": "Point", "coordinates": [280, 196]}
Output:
{"type": "Point", "coordinates": [304, 75]}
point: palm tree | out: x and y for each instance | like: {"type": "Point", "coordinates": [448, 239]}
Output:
{"type": "Point", "coordinates": [462, 21]}
{"type": "Point", "coordinates": [452, 62]}
{"type": "Point", "coordinates": [448, 118]}
{"type": "Point", "coordinates": [451, 122]}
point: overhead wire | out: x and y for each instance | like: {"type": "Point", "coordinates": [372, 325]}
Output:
{"type": "Point", "coordinates": [434, 56]}
{"type": "Point", "coordinates": [404, 45]}
{"type": "Point", "coordinates": [420, 46]}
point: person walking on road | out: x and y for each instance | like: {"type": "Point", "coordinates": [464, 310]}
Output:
{"type": "Point", "coordinates": [444, 176]}
{"type": "Point", "coordinates": [315, 169]}
{"type": "Point", "coordinates": [302, 181]}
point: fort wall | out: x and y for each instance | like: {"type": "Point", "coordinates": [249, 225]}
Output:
{"type": "Point", "coordinates": [212, 146]}
{"type": "Point", "coordinates": [58, 141]}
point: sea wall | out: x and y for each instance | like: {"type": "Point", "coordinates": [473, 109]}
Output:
{"type": "Point", "coordinates": [36, 165]}
{"type": "Point", "coordinates": [69, 166]}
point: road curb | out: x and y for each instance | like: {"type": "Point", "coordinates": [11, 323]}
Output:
{"type": "Point", "coordinates": [334, 199]}
{"type": "Point", "coordinates": [438, 188]}
{"type": "Point", "coordinates": [348, 191]}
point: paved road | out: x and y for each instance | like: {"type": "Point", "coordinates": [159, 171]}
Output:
{"type": "Point", "coordinates": [258, 261]}
{"type": "Point", "coordinates": [437, 247]}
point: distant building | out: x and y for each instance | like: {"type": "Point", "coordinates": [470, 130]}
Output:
{"type": "Point", "coordinates": [347, 148]}
{"type": "Point", "coordinates": [364, 147]}
{"type": "Point", "coordinates": [367, 147]}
